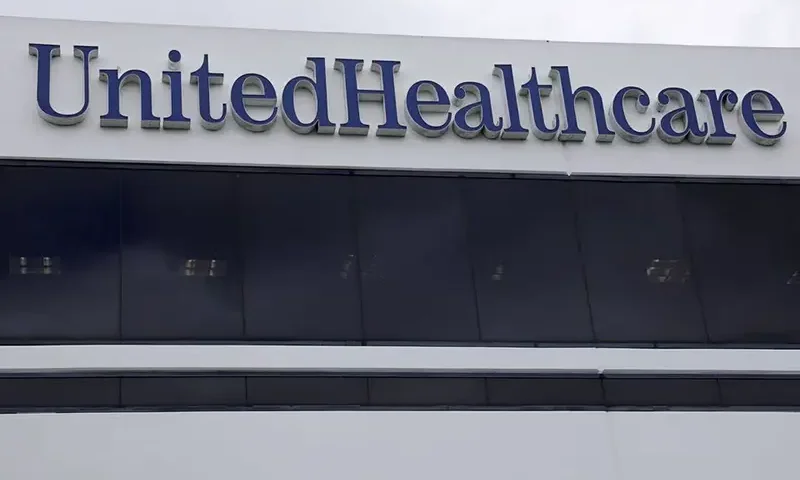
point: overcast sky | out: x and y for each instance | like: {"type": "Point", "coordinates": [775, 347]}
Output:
{"type": "Point", "coordinates": [709, 22]}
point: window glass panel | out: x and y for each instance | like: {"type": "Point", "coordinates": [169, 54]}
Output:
{"type": "Point", "coordinates": [183, 391]}
{"type": "Point", "coordinates": [640, 281]}
{"type": "Point", "coordinates": [416, 278]}
{"type": "Point", "coordinates": [181, 273]}
{"type": "Point", "coordinates": [761, 392]}
{"type": "Point", "coordinates": [545, 392]}
{"type": "Point", "coordinates": [301, 274]}
{"type": "Point", "coordinates": [59, 254]}
{"type": "Point", "coordinates": [746, 257]}
{"type": "Point", "coordinates": [655, 392]}
{"type": "Point", "coordinates": [307, 391]}
{"type": "Point", "coordinates": [427, 392]}
{"type": "Point", "coordinates": [528, 270]}
{"type": "Point", "coordinates": [497, 392]}
{"type": "Point", "coordinates": [30, 393]}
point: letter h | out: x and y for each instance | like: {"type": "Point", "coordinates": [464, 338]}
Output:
{"type": "Point", "coordinates": [353, 95]}
{"type": "Point", "coordinates": [572, 132]}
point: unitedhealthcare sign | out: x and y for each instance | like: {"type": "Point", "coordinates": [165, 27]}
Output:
{"type": "Point", "coordinates": [430, 109]}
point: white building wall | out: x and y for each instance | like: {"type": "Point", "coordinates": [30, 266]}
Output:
{"type": "Point", "coordinates": [393, 445]}
{"type": "Point", "coordinates": [400, 446]}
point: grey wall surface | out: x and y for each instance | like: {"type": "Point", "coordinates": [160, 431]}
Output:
{"type": "Point", "coordinates": [400, 445]}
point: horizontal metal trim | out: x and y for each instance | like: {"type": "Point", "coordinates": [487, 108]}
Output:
{"type": "Point", "coordinates": [398, 374]}
{"type": "Point", "coordinates": [355, 169]}
{"type": "Point", "coordinates": [325, 408]}
{"type": "Point", "coordinates": [267, 358]}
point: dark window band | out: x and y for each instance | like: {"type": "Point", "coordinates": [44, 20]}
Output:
{"type": "Point", "coordinates": [138, 254]}
{"type": "Point", "coordinates": [233, 392]}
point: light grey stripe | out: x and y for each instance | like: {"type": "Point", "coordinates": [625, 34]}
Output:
{"type": "Point", "coordinates": [262, 358]}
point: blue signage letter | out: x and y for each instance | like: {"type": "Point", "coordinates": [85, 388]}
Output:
{"type": "Point", "coordinates": [616, 114]}
{"type": "Point", "coordinates": [353, 95]}
{"type": "Point", "coordinates": [535, 92]}
{"type": "Point", "coordinates": [515, 130]}
{"type": "Point", "coordinates": [415, 107]}
{"type": "Point", "coordinates": [686, 114]}
{"type": "Point", "coordinates": [571, 131]}
{"type": "Point", "coordinates": [749, 116]}
{"type": "Point", "coordinates": [714, 102]}
{"type": "Point", "coordinates": [482, 109]}
{"type": "Point", "coordinates": [204, 78]}
{"type": "Point", "coordinates": [318, 87]}
{"type": "Point", "coordinates": [114, 117]}
{"type": "Point", "coordinates": [172, 77]}
{"type": "Point", "coordinates": [45, 53]}
{"type": "Point", "coordinates": [266, 97]}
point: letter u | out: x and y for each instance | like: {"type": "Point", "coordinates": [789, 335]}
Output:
{"type": "Point", "coordinates": [44, 54]}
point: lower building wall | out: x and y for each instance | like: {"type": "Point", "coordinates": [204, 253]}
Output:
{"type": "Point", "coordinates": [400, 445]}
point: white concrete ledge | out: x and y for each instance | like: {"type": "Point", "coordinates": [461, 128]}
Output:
{"type": "Point", "coordinates": [261, 358]}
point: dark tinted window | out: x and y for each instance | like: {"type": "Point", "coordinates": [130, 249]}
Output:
{"type": "Point", "coordinates": [745, 251]}
{"type": "Point", "coordinates": [426, 392]}
{"type": "Point", "coordinates": [398, 392]}
{"type": "Point", "coordinates": [639, 274]}
{"type": "Point", "coordinates": [301, 266]}
{"type": "Point", "coordinates": [59, 254]}
{"type": "Point", "coordinates": [528, 271]}
{"type": "Point", "coordinates": [110, 254]}
{"type": "Point", "coordinates": [629, 391]}
{"type": "Point", "coordinates": [181, 272]}
{"type": "Point", "coordinates": [32, 393]}
{"type": "Point", "coordinates": [545, 391]}
{"type": "Point", "coordinates": [307, 391]}
{"type": "Point", "coordinates": [183, 391]}
{"type": "Point", "coordinates": [760, 392]}
{"type": "Point", "coordinates": [416, 279]}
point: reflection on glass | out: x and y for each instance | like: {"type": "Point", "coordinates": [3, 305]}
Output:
{"type": "Point", "coordinates": [668, 271]}
{"type": "Point", "coordinates": [194, 267]}
{"type": "Point", "coordinates": [34, 265]}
